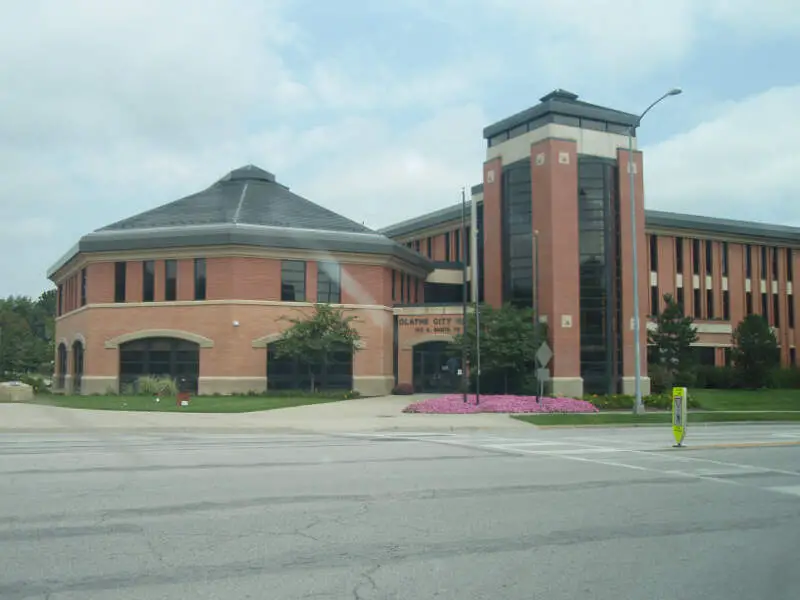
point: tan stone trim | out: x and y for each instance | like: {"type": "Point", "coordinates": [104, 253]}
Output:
{"type": "Point", "coordinates": [119, 305]}
{"type": "Point", "coordinates": [344, 258]}
{"type": "Point", "coordinates": [202, 341]}
{"type": "Point", "coordinates": [270, 338]}
{"type": "Point", "coordinates": [431, 337]}
{"type": "Point", "coordinates": [78, 337]}
{"type": "Point", "coordinates": [64, 341]}
{"type": "Point", "coordinates": [449, 309]}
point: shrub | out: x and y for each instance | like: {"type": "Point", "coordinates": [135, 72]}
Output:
{"type": "Point", "coordinates": [626, 401]}
{"type": "Point", "coordinates": [37, 383]}
{"type": "Point", "coordinates": [156, 386]}
{"type": "Point", "coordinates": [785, 378]}
{"type": "Point", "coordinates": [403, 389]}
{"type": "Point", "coordinates": [711, 377]}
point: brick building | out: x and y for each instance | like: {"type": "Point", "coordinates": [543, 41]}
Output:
{"type": "Point", "coordinates": [198, 288]}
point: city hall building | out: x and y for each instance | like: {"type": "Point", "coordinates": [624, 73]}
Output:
{"type": "Point", "coordinates": [200, 288]}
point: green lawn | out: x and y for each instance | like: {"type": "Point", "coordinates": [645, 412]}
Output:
{"type": "Point", "coordinates": [747, 400]}
{"type": "Point", "coordinates": [653, 418]}
{"type": "Point", "coordinates": [197, 404]}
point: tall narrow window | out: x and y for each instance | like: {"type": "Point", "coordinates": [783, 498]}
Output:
{"type": "Point", "coordinates": [199, 278]}
{"type": "Point", "coordinates": [328, 283]}
{"type": "Point", "coordinates": [416, 290]}
{"type": "Point", "coordinates": [748, 301]}
{"type": "Point", "coordinates": [790, 312]}
{"type": "Point", "coordinates": [709, 257]}
{"type": "Point", "coordinates": [293, 281]}
{"type": "Point", "coordinates": [120, 272]}
{"type": "Point", "coordinates": [429, 247]}
{"type": "Point", "coordinates": [763, 262]}
{"type": "Point", "coordinates": [447, 246]}
{"type": "Point", "coordinates": [402, 289]}
{"type": "Point", "coordinates": [748, 261]}
{"type": "Point", "coordinates": [468, 249]}
{"type": "Point", "coordinates": [776, 310]}
{"type": "Point", "coordinates": [775, 255]}
{"type": "Point", "coordinates": [394, 284]}
{"type": "Point", "coordinates": [408, 289]}
{"type": "Point", "coordinates": [170, 280]}
{"type": "Point", "coordinates": [679, 297]}
{"type": "Point", "coordinates": [764, 306]}
{"type": "Point", "coordinates": [60, 294]}
{"type": "Point", "coordinates": [417, 245]}
{"type": "Point", "coordinates": [654, 301]}
{"type": "Point", "coordinates": [724, 259]}
{"type": "Point", "coordinates": [789, 265]}
{"type": "Point", "coordinates": [793, 356]}
{"type": "Point", "coordinates": [726, 305]}
{"type": "Point", "coordinates": [148, 281]}
{"type": "Point", "coordinates": [83, 287]}
{"type": "Point", "coordinates": [709, 304]}
{"type": "Point", "coordinates": [698, 305]}
{"type": "Point", "coordinates": [679, 255]}
{"type": "Point", "coordinates": [457, 244]}
{"type": "Point", "coordinates": [654, 253]}
{"type": "Point", "coordinates": [695, 256]}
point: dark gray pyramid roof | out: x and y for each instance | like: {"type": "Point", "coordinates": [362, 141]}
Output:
{"type": "Point", "coordinates": [246, 207]}
{"type": "Point", "coordinates": [247, 195]}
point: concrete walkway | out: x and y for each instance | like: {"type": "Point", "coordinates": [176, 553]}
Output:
{"type": "Point", "coordinates": [362, 415]}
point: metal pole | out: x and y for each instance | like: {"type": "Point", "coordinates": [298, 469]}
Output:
{"type": "Point", "coordinates": [540, 385]}
{"type": "Point", "coordinates": [476, 295]}
{"type": "Point", "coordinates": [638, 406]}
{"type": "Point", "coordinates": [464, 376]}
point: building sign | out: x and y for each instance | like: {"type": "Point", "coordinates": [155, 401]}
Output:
{"type": "Point", "coordinates": [432, 325]}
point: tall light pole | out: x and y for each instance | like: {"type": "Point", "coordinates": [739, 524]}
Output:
{"type": "Point", "coordinates": [638, 407]}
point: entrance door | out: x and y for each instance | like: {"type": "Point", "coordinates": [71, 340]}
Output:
{"type": "Point", "coordinates": [435, 368]}
{"type": "Point", "coordinates": [77, 367]}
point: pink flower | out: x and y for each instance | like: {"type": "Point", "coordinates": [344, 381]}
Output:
{"type": "Point", "coordinates": [454, 404]}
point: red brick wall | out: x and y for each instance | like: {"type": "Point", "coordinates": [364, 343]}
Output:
{"type": "Point", "coordinates": [492, 232]}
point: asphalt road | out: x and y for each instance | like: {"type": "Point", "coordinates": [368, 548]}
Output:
{"type": "Point", "coordinates": [556, 514]}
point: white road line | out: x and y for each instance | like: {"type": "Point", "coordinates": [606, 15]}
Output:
{"type": "Point", "coordinates": [794, 490]}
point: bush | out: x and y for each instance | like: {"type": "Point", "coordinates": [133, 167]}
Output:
{"type": "Point", "coordinates": [785, 378]}
{"type": "Point", "coordinates": [718, 378]}
{"type": "Point", "coordinates": [37, 383]}
{"type": "Point", "coordinates": [403, 389]}
{"type": "Point", "coordinates": [626, 401]}
{"type": "Point", "coordinates": [156, 386]}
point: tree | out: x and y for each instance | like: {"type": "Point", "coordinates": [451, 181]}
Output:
{"type": "Point", "coordinates": [673, 338]}
{"type": "Point", "coordinates": [310, 340]}
{"type": "Point", "coordinates": [755, 352]}
{"type": "Point", "coordinates": [26, 334]}
{"type": "Point", "coordinates": [509, 343]}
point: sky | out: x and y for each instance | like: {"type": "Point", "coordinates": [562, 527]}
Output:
{"type": "Point", "coordinates": [372, 108]}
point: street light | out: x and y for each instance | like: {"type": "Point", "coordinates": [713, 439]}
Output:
{"type": "Point", "coordinates": [638, 407]}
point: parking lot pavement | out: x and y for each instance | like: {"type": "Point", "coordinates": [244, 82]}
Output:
{"type": "Point", "coordinates": [600, 514]}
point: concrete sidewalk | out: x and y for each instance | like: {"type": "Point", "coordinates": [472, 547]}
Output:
{"type": "Point", "coordinates": [366, 414]}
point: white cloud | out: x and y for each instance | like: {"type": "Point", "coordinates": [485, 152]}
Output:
{"type": "Point", "coordinates": [742, 163]}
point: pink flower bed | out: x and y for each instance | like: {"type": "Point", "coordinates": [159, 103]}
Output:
{"type": "Point", "coordinates": [454, 404]}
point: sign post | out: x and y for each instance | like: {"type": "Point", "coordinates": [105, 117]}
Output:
{"type": "Point", "coordinates": [543, 356]}
{"type": "Point", "coordinates": [679, 415]}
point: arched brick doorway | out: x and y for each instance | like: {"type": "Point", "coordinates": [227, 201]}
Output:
{"type": "Point", "coordinates": [160, 357]}
{"type": "Point", "coordinates": [77, 366]}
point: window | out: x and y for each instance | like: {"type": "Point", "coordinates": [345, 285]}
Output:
{"type": "Point", "coordinates": [429, 244]}
{"type": "Point", "coordinates": [328, 278]}
{"type": "Point", "coordinates": [416, 245]}
{"type": "Point", "coordinates": [748, 300]}
{"type": "Point", "coordinates": [726, 305]}
{"type": "Point", "coordinates": [654, 300]}
{"type": "Point", "coordinates": [793, 356]}
{"type": "Point", "coordinates": [775, 263]}
{"type": "Point", "coordinates": [60, 307]}
{"type": "Point", "coordinates": [709, 257]}
{"type": "Point", "coordinates": [789, 265]}
{"type": "Point", "coordinates": [516, 231]}
{"type": "Point", "coordinates": [748, 261]}
{"type": "Point", "coordinates": [776, 310]}
{"type": "Point", "coordinates": [653, 253]}
{"type": "Point", "coordinates": [394, 285]}
{"type": "Point", "coordinates": [408, 289]}
{"type": "Point", "coordinates": [695, 256]}
{"type": "Point", "coordinates": [469, 245]}
{"type": "Point", "coordinates": [170, 280]}
{"type": "Point", "coordinates": [83, 287]}
{"type": "Point", "coordinates": [447, 246]}
{"type": "Point", "coordinates": [293, 281]}
{"type": "Point", "coordinates": [120, 270]}
{"type": "Point", "coordinates": [763, 262]}
{"type": "Point", "coordinates": [199, 278]}
{"type": "Point", "coordinates": [402, 289]}
{"type": "Point", "coordinates": [698, 306]}
{"type": "Point", "coordinates": [458, 244]}
{"type": "Point", "coordinates": [790, 312]}
{"type": "Point", "coordinates": [679, 255]}
{"type": "Point", "coordinates": [148, 281]}
{"type": "Point", "coordinates": [764, 306]}
{"type": "Point", "coordinates": [679, 297]}
{"type": "Point", "coordinates": [727, 352]}
{"type": "Point", "coordinates": [416, 290]}
{"type": "Point", "coordinates": [709, 304]}
{"type": "Point", "coordinates": [724, 259]}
